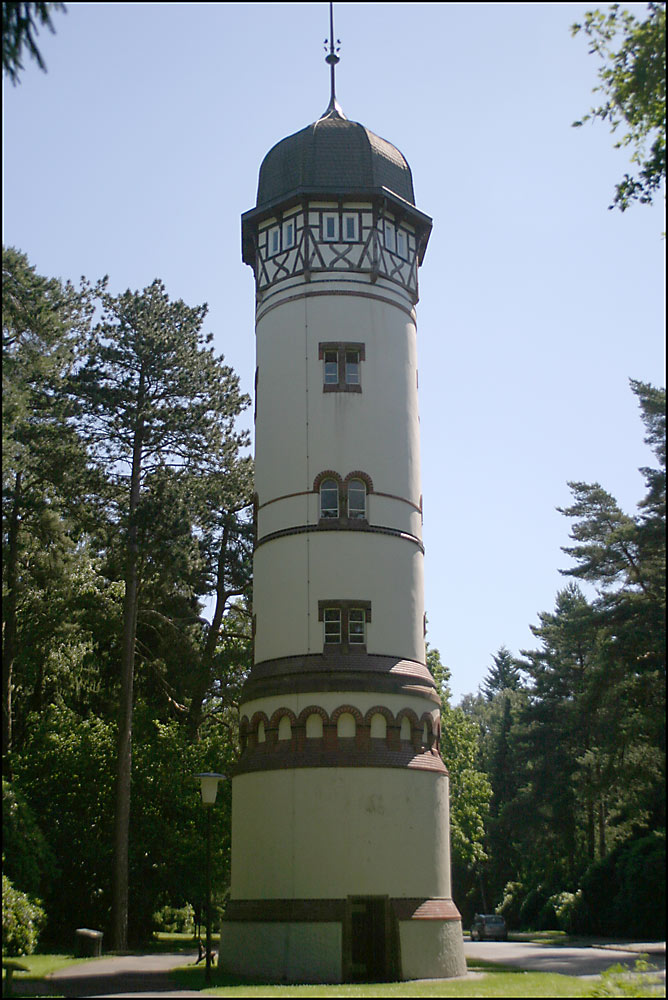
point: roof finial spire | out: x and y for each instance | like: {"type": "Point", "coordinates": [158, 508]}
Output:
{"type": "Point", "coordinates": [332, 59]}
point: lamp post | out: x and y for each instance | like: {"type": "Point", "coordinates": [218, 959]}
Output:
{"type": "Point", "coordinates": [209, 789]}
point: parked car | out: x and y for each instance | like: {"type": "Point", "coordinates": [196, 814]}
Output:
{"type": "Point", "coordinates": [489, 927]}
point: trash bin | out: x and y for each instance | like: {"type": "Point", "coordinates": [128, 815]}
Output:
{"type": "Point", "coordinates": [87, 942]}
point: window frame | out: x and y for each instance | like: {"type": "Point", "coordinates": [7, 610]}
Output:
{"type": "Point", "coordinates": [336, 618]}
{"type": "Point", "coordinates": [365, 489]}
{"type": "Point", "coordinates": [344, 609]}
{"type": "Point", "coordinates": [289, 224]}
{"type": "Point", "coordinates": [332, 217]}
{"type": "Point", "coordinates": [341, 349]}
{"type": "Point", "coordinates": [346, 218]}
{"type": "Point", "coordinates": [273, 236]}
{"type": "Point", "coordinates": [390, 236]}
{"type": "Point", "coordinates": [322, 488]}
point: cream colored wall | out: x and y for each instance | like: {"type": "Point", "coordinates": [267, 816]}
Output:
{"type": "Point", "coordinates": [292, 511]}
{"type": "Point", "coordinates": [293, 573]}
{"type": "Point", "coordinates": [302, 952]}
{"type": "Point", "coordinates": [301, 430]}
{"type": "Point", "coordinates": [333, 832]}
{"type": "Point", "coordinates": [431, 949]}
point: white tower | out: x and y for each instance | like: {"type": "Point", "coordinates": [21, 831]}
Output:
{"type": "Point", "coordinates": [340, 825]}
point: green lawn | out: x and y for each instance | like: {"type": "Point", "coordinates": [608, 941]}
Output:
{"type": "Point", "coordinates": [494, 981]}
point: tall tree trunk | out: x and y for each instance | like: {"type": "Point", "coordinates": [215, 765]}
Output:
{"type": "Point", "coordinates": [124, 760]}
{"type": "Point", "coordinates": [10, 630]}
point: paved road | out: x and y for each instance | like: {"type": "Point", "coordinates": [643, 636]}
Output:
{"type": "Point", "coordinates": [569, 961]}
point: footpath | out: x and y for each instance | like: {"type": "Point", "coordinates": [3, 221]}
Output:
{"type": "Point", "coordinates": [120, 976]}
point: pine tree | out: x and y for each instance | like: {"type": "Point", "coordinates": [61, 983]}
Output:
{"type": "Point", "coordinates": [151, 398]}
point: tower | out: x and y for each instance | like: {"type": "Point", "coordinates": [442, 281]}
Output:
{"type": "Point", "coordinates": [340, 824]}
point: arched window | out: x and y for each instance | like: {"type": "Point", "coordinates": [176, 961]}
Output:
{"type": "Point", "coordinates": [314, 727]}
{"type": "Point", "coordinates": [345, 725]}
{"type": "Point", "coordinates": [378, 728]}
{"type": "Point", "coordinates": [329, 498]}
{"type": "Point", "coordinates": [357, 499]}
{"type": "Point", "coordinates": [261, 735]}
{"type": "Point", "coordinates": [405, 732]}
{"type": "Point", "coordinates": [284, 728]}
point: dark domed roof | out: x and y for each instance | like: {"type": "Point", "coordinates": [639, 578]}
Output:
{"type": "Point", "coordinates": [333, 156]}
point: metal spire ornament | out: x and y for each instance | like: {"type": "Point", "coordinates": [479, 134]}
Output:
{"type": "Point", "coordinates": [333, 108]}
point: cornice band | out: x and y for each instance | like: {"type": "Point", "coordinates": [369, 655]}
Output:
{"type": "Point", "coordinates": [284, 757]}
{"type": "Point", "coordinates": [295, 911]}
{"type": "Point", "coordinates": [322, 672]}
{"type": "Point", "coordinates": [352, 525]}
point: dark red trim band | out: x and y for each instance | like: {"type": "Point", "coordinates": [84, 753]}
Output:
{"type": "Point", "coordinates": [332, 910]}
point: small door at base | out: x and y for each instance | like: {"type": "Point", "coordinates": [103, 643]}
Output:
{"type": "Point", "coordinates": [368, 939]}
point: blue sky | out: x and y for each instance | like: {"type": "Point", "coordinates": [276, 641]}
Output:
{"type": "Point", "coordinates": [136, 154]}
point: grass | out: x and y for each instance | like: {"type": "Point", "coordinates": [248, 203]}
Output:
{"type": "Point", "coordinates": [489, 981]}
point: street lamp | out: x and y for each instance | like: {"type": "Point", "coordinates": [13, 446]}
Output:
{"type": "Point", "coordinates": [209, 788]}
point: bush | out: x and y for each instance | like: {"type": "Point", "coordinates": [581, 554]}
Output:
{"type": "Point", "coordinates": [509, 907]}
{"type": "Point", "coordinates": [625, 893]}
{"type": "Point", "coordinates": [27, 858]}
{"type": "Point", "coordinates": [535, 912]}
{"type": "Point", "coordinates": [22, 920]}
{"type": "Point", "coordinates": [173, 920]}
{"type": "Point", "coordinates": [566, 906]}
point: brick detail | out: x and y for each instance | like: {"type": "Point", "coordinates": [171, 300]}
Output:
{"type": "Point", "coordinates": [425, 909]}
{"type": "Point", "coordinates": [331, 910]}
{"type": "Point", "coordinates": [335, 671]}
{"type": "Point", "coordinates": [283, 756]}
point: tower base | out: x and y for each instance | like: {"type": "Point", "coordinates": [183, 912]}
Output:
{"type": "Point", "coordinates": [358, 939]}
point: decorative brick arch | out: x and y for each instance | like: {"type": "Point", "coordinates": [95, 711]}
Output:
{"type": "Point", "coordinates": [272, 727]}
{"type": "Point", "coordinates": [386, 714]}
{"type": "Point", "coordinates": [327, 474]}
{"type": "Point", "coordinates": [355, 712]}
{"type": "Point", "coordinates": [257, 718]}
{"type": "Point", "coordinates": [278, 715]}
{"type": "Point", "coordinates": [312, 710]}
{"type": "Point", "coordinates": [305, 714]}
{"type": "Point", "coordinates": [416, 732]}
{"type": "Point", "coordinates": [431, 735]}
{"type": "Point", "coordinates": [379, 710]}
{"type": "Point", "coordinates": [364, 476]}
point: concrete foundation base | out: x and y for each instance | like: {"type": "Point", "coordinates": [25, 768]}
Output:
{"type": "Point", "coordinates": [287, 952]}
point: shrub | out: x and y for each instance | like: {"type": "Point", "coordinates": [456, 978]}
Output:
{"type": "Point", "coordinates": [173, 920]}
{"type": "Point", "coordinates": [22, 920]}
{"type": "Point", "coordinates": [566, 906]}
{"type": "Point", "coordinates": [509, 907]}
{"type": "Point", "coordinates": [535, 914]}
{"type": "Point", "coordinates": [27, 858]}
{"type": "Point", "coordinates": [625, 893]}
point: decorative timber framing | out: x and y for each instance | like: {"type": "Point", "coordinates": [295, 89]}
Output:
{"type": "Point", "coordinates": [333, 236]}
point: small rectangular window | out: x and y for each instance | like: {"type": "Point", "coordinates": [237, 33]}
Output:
{"type": "Point", "coordinates": [352, 367]}
{"type": "Point", "coordinates": [402, 244]}
{"type": "Point", "coordinates": [332, 617]}
{"type": "Point", "coordinates": [330, 227]}
{"type": "Point", "coordinates": [288, 234]}
{"type": "Point", "coordinates": [390, 237]}
{"type": "Point", "coordinates": [350, 228]}
{"type": "Point", "coordinates": [356, 625]}
{"type": "Point", "coordinates": [274, 241]}
{"type": "Point", "coordinates": [331, 368]}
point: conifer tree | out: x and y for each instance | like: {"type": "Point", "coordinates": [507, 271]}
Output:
{"type": "Point", "coordinates": [151, 398]}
